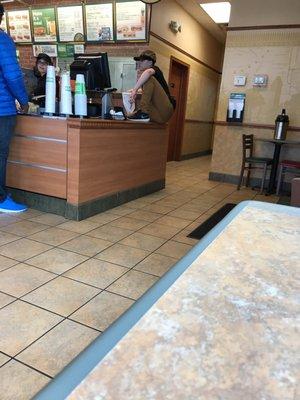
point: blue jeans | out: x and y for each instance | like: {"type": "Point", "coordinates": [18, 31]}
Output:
{"type": "Point", "coordinates": [7, 126]}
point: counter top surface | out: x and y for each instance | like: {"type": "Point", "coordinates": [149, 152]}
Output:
{"type": "Point", "coordinates": [225, 329]}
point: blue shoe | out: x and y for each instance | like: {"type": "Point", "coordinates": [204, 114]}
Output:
{"type": "Point", "coordinates": [10, 206]}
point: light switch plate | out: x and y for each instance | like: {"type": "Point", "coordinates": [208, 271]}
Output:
{"type": "Point", "coordinates": [260, 80]}
{"type": "Point", "coordinates": [239, 80]}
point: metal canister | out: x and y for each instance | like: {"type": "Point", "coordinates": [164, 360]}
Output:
{"type": "Point", "coordinates": [281, 125]}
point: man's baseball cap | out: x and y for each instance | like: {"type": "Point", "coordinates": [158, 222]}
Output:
{"type": "Point", "coordinates": [146, 55]}
{"type": "Point", "coordinates": [1, 9]}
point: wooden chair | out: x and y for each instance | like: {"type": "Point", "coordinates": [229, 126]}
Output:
{"type": "Point", "coordinates": [287, 166]}
{"type": "Point", "coordinates": [248, 158]}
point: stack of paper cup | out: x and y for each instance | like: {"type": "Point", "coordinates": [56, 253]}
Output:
{"type": "Point", "coordinates": [80, 96]}
{"type": "Point", "coordinates": [65, 95]}
{"type": "Point", "coordinates": [50, 90]}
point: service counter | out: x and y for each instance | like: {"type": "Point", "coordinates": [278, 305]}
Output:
{"type": "Point", "coordinates": [80, 167]}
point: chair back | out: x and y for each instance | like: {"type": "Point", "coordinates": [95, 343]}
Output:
{"type": "Point", "coordinates": [247, 146]}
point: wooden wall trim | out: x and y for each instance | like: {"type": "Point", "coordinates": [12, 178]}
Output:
{"type": "Point", "coordinates": [256, 27]}
{"type": "Point", "coordinates": [198, 121]}
{"type": "Point", "coordinates": [107, 124]}
{"type": "Point", "coordinates": [254, 126]}
{"type": "Point", "coordinates": [184, 52]}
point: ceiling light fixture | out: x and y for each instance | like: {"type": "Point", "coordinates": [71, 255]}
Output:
{"type": "Point", "coordinates": [219, 12]}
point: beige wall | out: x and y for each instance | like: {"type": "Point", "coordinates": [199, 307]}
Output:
{"type": "Point", "coordinates": [272, 52]}
{"type": "Point", "coordinates": [194, 39]}
{"type": "Point", "coordinates": [264, 12]}
{"type": "Point", "coordinates": [203, 82]}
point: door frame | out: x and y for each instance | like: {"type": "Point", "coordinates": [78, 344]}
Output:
{"type": "Point", "coordinates": [181, 103]}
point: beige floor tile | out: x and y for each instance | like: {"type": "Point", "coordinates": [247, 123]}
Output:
{"type": "Point", "coordinates": [53, 236]}
{"type": "Point", "coordinates": [6, 262]}
{"type": "Point", "coordinates": [156, 264]}
{"type": "Point", "coordinates": [142, 241]}
{"type": "Point", "coordinates": [21, 279]}
{"type": "Point", "coordinates": [6, 219]}
{"type": "Point", "coordinates": [182, 237]}
{"type": "Point", "coordinates": [61, 295]}
{"type": "Point", "coordinates": [57, 260]}
{"type": "Point", "coordinates": [159, 230]}
{"type": "Point", "coordinates": [158, 208]}
{"type": "Point", "coordinates": [136, 204]}
{"type": "Point", "coordinates": [133, 284]}
{"type": "Point", "coordinates": [129, 223]}
{"type": "Point", "coordinates": [49, 219]}
{"type": "Point", "coordinates": [145, 215]}
{"type": "Point", "coordinates": [121, 210]}
{"type": "Point", "coordinates": [30, 213]}
{"type": "Point", "coordinates": [86, 245]}
{"type": "Point", "coordinates": [102, 311]}
{"type": "Point", "coordinates": [5, 299]}
{"type": "Point", "coordinates": [19, 382]}
{"type": "Point", "coordinates": [24, 228]}
{"type": "Point", "coordinates": [23, 249]}
{"type": "Point", "coordinates": [7, 238]}
{"type": "Point", "coordinates": [174, 249]}
{"type": "Point", "coordinates": [21, 324]}
{"type": "Point", "coordinates": [79, 226]}
{"type": "Point", "coordinates": [123, 255]}
{"type": "Point", "coordinates": [173, 221]}
{"type": "Point", "coordinates": [103, 218]}
{"type": "Point", "coordinates": [110, 233]}
{"type": "Point", "coordinates": [3, 360]}
{"type": "Point", "coordinates": [96, 272]}
{"type": "Point", "coordinates": [185, 214]}
{"type": "Point", "coordinates": [51, 353]}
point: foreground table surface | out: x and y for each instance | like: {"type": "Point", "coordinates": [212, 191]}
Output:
{"type": "Point", "coordinates": [225, 329]}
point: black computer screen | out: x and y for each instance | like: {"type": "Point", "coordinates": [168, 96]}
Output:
{"type": "Point", "coordinates": [94, 67]}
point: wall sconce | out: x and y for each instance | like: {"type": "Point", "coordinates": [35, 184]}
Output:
{"type": "Point", "coordinates": [175, 26]}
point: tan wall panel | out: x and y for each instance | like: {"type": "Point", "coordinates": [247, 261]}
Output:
{"type": "Point", "coordinates": [46, 153]}
{"type": "Point", "coordinates": [37, 180]}
{"type": "Point", "coordinates": [198, 137]}
{"type": "Point", "coordinates": [266, 12]}
{"type": "Point", "coordinates": [193, 38]}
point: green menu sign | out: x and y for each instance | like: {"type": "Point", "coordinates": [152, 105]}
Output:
{"type": "Point", "coordinates": [44, 25]}
{"type": "Point", "coordinates": [65, 50]}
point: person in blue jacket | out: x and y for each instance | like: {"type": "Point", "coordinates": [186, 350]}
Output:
{"type": "Point", "coordinates": [11, 88]}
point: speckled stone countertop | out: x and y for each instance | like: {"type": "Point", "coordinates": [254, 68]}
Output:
{"type": "Point", "coordinates": [227, 329]}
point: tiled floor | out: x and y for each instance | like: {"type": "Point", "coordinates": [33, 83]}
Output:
{"type": "Point", "coordinates": [62, 282]}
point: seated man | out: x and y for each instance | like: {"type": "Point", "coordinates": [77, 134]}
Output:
{"type": "Point", "coordinates": [156, 104]}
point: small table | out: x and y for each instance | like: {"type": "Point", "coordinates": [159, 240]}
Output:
{"type": "Point", "coordinates": [277, 149]}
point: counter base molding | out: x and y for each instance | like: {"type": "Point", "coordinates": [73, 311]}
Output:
{"type": "Point", "coordinates": [78, 168]}
{"type": "Point", "coordinates": [223, 323]}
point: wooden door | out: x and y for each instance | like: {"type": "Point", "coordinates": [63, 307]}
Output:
{"type": "Point", "coordinates": [178, 82]}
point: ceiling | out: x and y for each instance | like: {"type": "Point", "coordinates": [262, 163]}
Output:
{"type": "Point", "coordinates": [193, 8]}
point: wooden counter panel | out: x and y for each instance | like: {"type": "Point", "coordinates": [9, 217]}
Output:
{"type": "Point", "coordinates": [113, 160]}
{"type": "Point", "coordinates": [38, 180]}
{"type": "Point", "coordinates": [38, 126]}
{"type": "Point", "coordinates": [40, 152]}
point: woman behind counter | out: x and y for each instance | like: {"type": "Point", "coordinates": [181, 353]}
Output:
{"type": "Point", "coordinates": [40, 72]}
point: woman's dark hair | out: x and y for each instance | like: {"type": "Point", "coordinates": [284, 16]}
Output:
{"type": "Point", "coordinates": [1, 10]}
{"type": "Point", "coordinates": [44, 57]}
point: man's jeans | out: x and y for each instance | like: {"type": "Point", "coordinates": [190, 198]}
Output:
{"type": "Point", "coordinates": [7, 126]}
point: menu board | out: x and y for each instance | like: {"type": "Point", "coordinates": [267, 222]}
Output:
{"type": "Point", "coordinates": [3, 23]}
{"type": "Point", "coordinates": [131, 20]}
{"type": "Point", "coordinates": [70, 24]}
{"type": "Point", "coordinates": [44, 25]}
{"type": "Point", "coordinates": [99, 22]}
{"type": "Point", "coordinates": [50, 49]}
{"type": "Point", "coordinates": [19, 26]}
